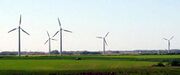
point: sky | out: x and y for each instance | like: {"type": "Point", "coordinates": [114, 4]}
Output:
{"type": "Point", "coordinates": [133, 24]}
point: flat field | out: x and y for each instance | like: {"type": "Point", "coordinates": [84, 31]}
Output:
{"type": "Point", "coordinates": [88, 65]}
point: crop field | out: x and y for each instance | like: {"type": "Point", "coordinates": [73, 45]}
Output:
{"type": "Point", "coordinates": [88, 65]}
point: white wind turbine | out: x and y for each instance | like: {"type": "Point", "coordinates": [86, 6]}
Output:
{"type": "Point", "coordinates": [19, 35]}
{"type": "Point", "coordinates": [61, 35]}
{"type": "Point", "coordinates": [49, 40]}
{"type": "Point", "coordinates": [104, 42]}
{"type": "Point", "coordinates": [169, 43]}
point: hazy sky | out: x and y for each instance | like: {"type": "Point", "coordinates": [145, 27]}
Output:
{"type": "Point", "coordinates": [133, 24]}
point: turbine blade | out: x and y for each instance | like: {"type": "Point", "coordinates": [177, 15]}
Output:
{"type": "Point", "coordinates": [54, 39]}
{"type": "Point", "coordinates": [20, 20]}
{"type": "Point", "coordinates": [48, 34]}
{"type": "Point", "coordinates": [99, 37]}
{"type": "Point", "coordinates": [165, 39]}
{"type": "Point", "coordinates": [25, 31]}
{"type": "Point", "coordinates": [12, 30]}
{"type": "Point", "coordinates": [55, 34]}
{"type": "Point", "coordinates": [46, 41]}
{"type": "Point", "coordinates": [171, 38]}
{"type": "Point", "coordinates": [67, 31]}
{"type": "Point", "coordinates": [105, 42]}
{"type": "Point", "coordinates": [106, 34]}
{"type": "Point", "coordinates": [59, 22]}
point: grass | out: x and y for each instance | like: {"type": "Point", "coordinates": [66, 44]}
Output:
{"type": "Point", "coordinates": [120, 64]}
{"type": "Point", "coordinates": [69, 64]}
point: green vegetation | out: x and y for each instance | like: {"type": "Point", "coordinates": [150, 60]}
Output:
{"type": "Point", "coordinates": [119, 64]}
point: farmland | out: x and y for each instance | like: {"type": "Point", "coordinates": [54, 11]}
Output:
{"type": "Point", "coordinates": [89, 64]}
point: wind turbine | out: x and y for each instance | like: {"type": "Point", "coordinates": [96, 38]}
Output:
{"type": "Point", "coordinates": [49, 40]}
{"type": "Point", "coordinates": [169, 43]}
{"type": "Point", "coordinates": [19, 35]}
{"type": "Point", "coordinates": [61, 30]}
{"type": "Point", "coordinates": [104, 42]}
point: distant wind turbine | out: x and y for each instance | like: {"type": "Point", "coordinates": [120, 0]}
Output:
{"type": "Point", "coordinates": [169, 43]}
{"type": "Point", "coordinates": [49, 40]}
{"type": "Point", "coordinates": [60, 30]}
{"type": "Point", "coordinates": [104, 42]}
{"type": "Point", "coordinates": [19, 35]}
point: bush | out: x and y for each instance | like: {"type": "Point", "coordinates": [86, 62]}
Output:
{"type": "Point", "coordinates": [55, 52]}
{"type": "Point", "coordinates": [175, 63]}
{"type": "Point", "coordinates": [160, 64]}
{"type": "Point", "coordinates": [77, 58]}
{"type": "Point", "coordinates": [26, 56]}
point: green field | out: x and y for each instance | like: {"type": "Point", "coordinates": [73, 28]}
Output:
{"type": "Point", "coordinates": [89, 64]}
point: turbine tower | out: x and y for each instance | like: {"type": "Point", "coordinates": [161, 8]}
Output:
{"type": "Point", "coordinates": [19, 35]}
{"type": "Point", "coordinates": [49, 40]}
{"type": "Point", "coordinates": [169, 43]}
{"type": "Point", "coordinates": [61, 35]}
{"type": "Point", "coordinates": [104, 42]}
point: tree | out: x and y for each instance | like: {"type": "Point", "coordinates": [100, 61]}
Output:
{"type": "Point", "coordinates": [55, 52]}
